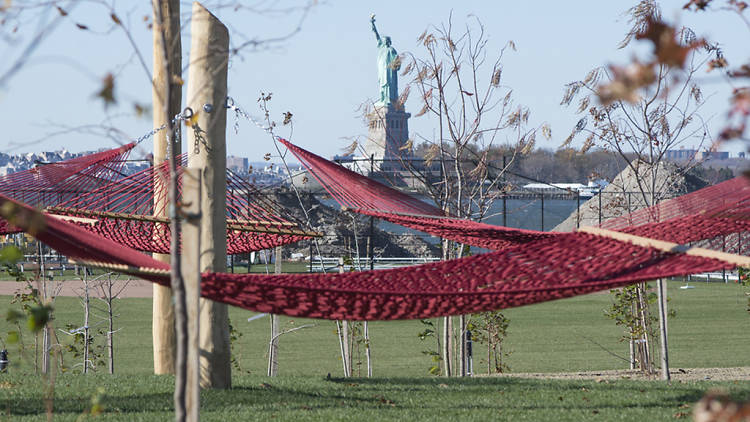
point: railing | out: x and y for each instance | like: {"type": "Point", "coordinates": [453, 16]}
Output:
{"type": "Point", "coordinates": [329, 263]}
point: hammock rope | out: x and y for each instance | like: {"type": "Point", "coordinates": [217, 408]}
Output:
{"type": "Point", "coordinates": [716, 215]}
{"type": "Point", "coordinates": [565, 265]}
{"type": "Point", "coordinates": [126, 213]}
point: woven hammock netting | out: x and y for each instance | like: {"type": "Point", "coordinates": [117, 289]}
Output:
{"type": "Point", "coordinates": [54, 183]}
{"type": "Point", "coordinates": [717, 216]}
{"type": "Point", "coordinates": [124, 211]}
{"type": "Point", "coordinates": [109, 228]}
{"type": "Point", "coordinates": [546, 268]}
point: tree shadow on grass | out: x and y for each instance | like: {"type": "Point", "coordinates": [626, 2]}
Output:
{"type": "Point", "coordinates": [78, 405]}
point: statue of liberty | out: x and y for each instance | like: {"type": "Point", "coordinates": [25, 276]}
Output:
{"type": "Point", "coordinates": [388, 66]}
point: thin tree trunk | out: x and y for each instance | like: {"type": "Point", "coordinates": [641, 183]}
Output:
{"type": "Point", "coordinates": [645, 346]}
{"type": "Point", "coordinates": [345, 355]}
{"type": "Point", "coordinates": [86, 312]}
{"type": "Point", "coordinates": [111, 328]}
{"type": "Point", "coordinates": [162, 24]}
{"type": "Point", "coordinates": [489, 352]}
{"type": "Point", "coordinates": [45, 299]}
{"type": "Point", "coordinates": [368, 351]}
{"type": "Point", "coordinates": [661, 294]}
{"type": "Point", "coordinates": [167, 102]}
{"type": "Point", "coordinates": [447, 343]}
{"type": "Point", "coordinates": [462, 345]}
{"type": "Point", "coordinates": [273, 349]}
{"type": "Point", "coordinates": [631, 348]}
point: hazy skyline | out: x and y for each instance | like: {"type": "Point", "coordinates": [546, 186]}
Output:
{"type": "Point", "coordinates": [323, 72]}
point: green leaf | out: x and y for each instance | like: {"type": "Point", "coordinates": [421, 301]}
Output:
{"type": "Point", "coordinates": [13, 315]}
{"type": "Point", "coordinates": [10, 255]}
{"type": "Point", "coordinates": [38, 317]}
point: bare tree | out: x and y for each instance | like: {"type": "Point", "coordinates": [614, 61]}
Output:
{"type": "Point", "coordinates": [461, 91]}
{"type": "Point", "coordinates": [640, 111]}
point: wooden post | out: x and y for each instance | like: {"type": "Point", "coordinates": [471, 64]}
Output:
{"type": "Point", "coordinates": [163, 330]}
{"type": "Point", "coordinates": [191, 241]}
{"type": "Point", "coordinates": [273, 350]}
{"type": "Point", "coordinates": [206, 94]}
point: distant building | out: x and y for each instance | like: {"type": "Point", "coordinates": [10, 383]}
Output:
{"type": "Point", "coordinates": [715, 155]}
{"type": "Point", "coordinates": [682, 154]}
{"type": "Point", "coordinates": [237, 164]}
{"type": "Point", "coordinates": [585, 191]}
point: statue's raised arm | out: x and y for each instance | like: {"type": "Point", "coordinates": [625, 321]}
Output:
{"type": "Point", "coordinates": [374, 29]}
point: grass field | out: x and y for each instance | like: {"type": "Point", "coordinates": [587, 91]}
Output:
{"type": "Point", "coordinates": [149, 398]}
{"type": "Point", "coordinates": [568, 335]}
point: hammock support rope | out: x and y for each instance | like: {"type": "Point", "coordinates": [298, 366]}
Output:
{"type": "Point", "coordinates": [561, 266]}
{"type": "Point", "coordinates": [125, 212]}
{"type": "Point", "coordinates": [716, 216]}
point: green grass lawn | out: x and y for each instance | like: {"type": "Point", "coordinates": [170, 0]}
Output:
{"type": "Point", "coordinates": [567, 335]}
{"type": "Point", "coordinates": [709, 330]}
{"type": "Point", "coordinates": [149, 398]}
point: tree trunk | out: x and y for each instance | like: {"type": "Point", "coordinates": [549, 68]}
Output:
{"type": "Point", "coordinates": [368, 352]}
{"type": "Point", "coordinates": [662, 297]}
{"type": "Point", "coordinates": [273, 349]}
{"type": "Point", "coordinates": [344, 337]}
{"type": "Point", "coordinates": [45, 300]}
{"type": "Point", "coordinates": [111, 328]}
{"type": "Point", "coordinates": [191, 238]}
{"type": "Point", "coordinates": [448, 345]}
{"type": "Point", "coordinates": [462, 345]}
{"type": "Point", "coordinates": [86, 311]}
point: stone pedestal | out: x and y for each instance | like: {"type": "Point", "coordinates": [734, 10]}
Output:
{"type": "Point", "coordinates": [387, 134]}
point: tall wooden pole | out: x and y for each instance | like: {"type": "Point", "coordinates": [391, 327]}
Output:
{"type": "Point", "coordinates": [167, 95]}
{"type": "Point", "coordinates": [206, 95]}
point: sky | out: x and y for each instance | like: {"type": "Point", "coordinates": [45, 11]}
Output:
{"type": "Point", "coordinates": [321, 73]}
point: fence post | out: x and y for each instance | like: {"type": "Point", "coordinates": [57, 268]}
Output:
{"type": "Point", "coordinates": [542, 213]}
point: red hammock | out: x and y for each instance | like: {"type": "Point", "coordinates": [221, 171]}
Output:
{"type": "Point", "coordinates": [565, 265]}
{"type": "Point", "coordinates": [366, 196]}
{"type": "Point", "coordinates": [123, 211]}
{"type": "Point", "coordinates": [51, 184]}
{"type": "Point", "coordinates": [717, 214]}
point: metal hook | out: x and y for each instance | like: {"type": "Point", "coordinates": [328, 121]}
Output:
{"type": "Point", "coordinates": [187, 113]}
{"type": "Point", "coordinates": [229, 102]}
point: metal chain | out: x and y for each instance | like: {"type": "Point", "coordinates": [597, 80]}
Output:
{"type": "Point", "coordinates": [239, 112]}
{"type": "Point", "coordinates": [229, 103]}
{"type": "Point", "coordinates": [175, 121]}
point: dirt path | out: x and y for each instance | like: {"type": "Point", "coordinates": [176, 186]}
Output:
{"type": "Point", "coordinates": [134, 288]}
{"type": "Point", "coordinates": [677, 374]}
